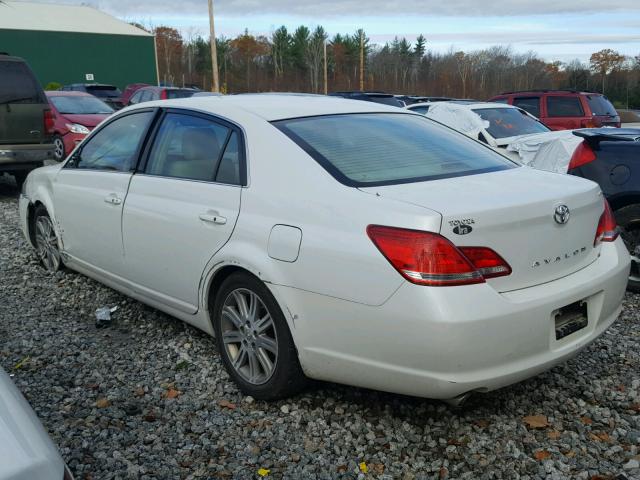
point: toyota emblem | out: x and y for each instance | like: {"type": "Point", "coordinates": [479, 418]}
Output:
{"type": "Point", "coordinates": [562, 214]}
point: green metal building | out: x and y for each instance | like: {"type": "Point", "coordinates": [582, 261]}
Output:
{"type": "Point", "coordinates": [77, 44]}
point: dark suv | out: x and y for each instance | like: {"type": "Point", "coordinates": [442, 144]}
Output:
{"type": "Point", "coordinates": [26, 122]}
{"type": "Point", "coordinates": [564, 109]}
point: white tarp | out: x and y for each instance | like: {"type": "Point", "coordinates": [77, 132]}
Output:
{"type": "Point", "coordinates": [549, 151]}
{"type": "Point", "coordinates": [459, 117]}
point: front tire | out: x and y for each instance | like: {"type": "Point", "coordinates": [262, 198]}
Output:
{"type": "Point", "coordinates": [46, 240]}
{"type": "Point", "coordinates": [59, 152]}
{"type": "Point", "coordinates": [254, 339]}
{"type": "Point", "coordinates": [628, 219]}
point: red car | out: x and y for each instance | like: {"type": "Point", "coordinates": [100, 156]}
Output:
{"type": "Point", "coordinates": [564, 109]}
{"type": "Point", "coordinates": [130, 89]}
{"type": "Point", "coordinates": [75, 115]}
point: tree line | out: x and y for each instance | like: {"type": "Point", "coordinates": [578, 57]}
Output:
{"type": "Point", "coordinates": [294, 61]}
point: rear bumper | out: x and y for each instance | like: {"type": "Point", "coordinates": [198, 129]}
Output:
{"type": "Point", "coordinates": [21, 157]}
{"type": "Point", "coordinates": [443, 342]}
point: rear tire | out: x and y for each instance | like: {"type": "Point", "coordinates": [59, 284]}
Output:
{"type": "Point", "coordinates": [254, 340]}
{"type": "Point", "coordinates": [628, 219]}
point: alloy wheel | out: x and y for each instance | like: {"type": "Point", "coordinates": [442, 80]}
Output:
{"type": "Point", "coordinates": [249, 336]}
{"type": "Point", "coordinates": [47, 244]}
{"type": "Point", "coordinates": [58, 148]}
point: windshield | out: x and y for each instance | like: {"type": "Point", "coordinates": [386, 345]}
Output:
{"type": "Point", "coordinates": [80, 105]}
{"type": "Point", "coordinates": [104, 91]}
{"type": "Point", "coordinates": [509, 122]}
{"type": "Point", "coordinates": [600, 105]}
{"type": "Point", "coordinates": [386, 148]}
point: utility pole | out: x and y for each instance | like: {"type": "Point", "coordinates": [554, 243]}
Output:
{"type": "Point", "coordinates": [326, 86]}
{"type": "Point", "coordinates": [361, 61]}
{"type": "Point", "coordinates": [215, 84]}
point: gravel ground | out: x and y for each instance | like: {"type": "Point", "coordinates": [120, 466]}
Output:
{"type": "Point", "coordinates": [148, 398]}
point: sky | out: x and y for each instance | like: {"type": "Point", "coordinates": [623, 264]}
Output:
{"type": "Point", "coordinates": [555, 29]}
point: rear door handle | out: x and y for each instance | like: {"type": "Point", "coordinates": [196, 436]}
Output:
{"type": "Point", "coordinates": [113, 199]}
{"type": "Point", "coordinates": [213, 217]}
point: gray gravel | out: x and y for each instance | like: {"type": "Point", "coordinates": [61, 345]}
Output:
{"type": "Point", "coordinates": [148, 398]}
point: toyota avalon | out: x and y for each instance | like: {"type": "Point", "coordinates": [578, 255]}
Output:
{"type": "Point", "coordinates": [333, 239]}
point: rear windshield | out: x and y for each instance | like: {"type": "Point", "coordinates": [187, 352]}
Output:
{"type": "Point", "coordinates": [17, 84]}
{"type": "Point", "coordinates": [79, 105]}
{"type": "Point", "coordinates": [386, 148]}
{"type": "Point", "coordinates": [104, 91]}
{"type": "Point", "coordinates": [599, 105]}
{"type": "Point", "coordinates": [179, 93]}
{"type": "Point", "coordinates": [509, 122]}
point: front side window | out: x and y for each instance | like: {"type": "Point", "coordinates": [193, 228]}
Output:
{"type": "Point", "coordinates": [193, 148]}
{"type": "Point", "coordinates": [558, 106]}
{"type": "Point", "coordinates": [387, 148]}
{"type": "Point", "coordinates": [530, 104]}
{"type": "Point", "coordinates": [509, 122]}
{"type": "Point", "coordinates": [116, 145]}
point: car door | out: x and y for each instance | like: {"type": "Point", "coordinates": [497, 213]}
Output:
{"type": "Point", "coordinates": [563, 112]}
{"type": "Point", "coordinates": [89, 191]}
{"type": "Point", "coordinates": [182, 206]}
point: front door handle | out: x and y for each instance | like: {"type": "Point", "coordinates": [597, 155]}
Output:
{"type": "Point", "coordinates": [213, 217]}
{"type": "Point", "coordinates": [113, 199]}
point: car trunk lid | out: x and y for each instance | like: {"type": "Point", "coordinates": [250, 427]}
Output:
{"type": "Point", "coordinates": [513, 212]}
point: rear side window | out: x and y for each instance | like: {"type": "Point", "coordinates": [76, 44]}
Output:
{"type": "Point", "coordinates": [194, 148]}
{"type": "Point", "coordinates": [558, 106]}
{"type": "Point", "coordinates": [115, 146]}
{"type": "Point", "coordinates": [500, 100]}
{"type": "Point", "coordinates": [530, 104]}
{"type": "Point", "coordinates": [599, 105]}
{"type": "Point", "coordinates": [386, 148]}
{"type": "Point", "coordinates": [17, 84]}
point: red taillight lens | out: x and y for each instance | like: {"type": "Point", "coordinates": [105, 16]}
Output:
{"type": "Point", "coordinates": [607, 230]}
{"type": "Point", "coordinates": [486, 261]}
{"type": "Point", "coordinates": [428, 258]}
{"type": "Point", "coordinates": [163, 95]}
{"type": "Point", "coordinates": [49, 122]}
{"type": "Point", "coordinates": [582, 155]}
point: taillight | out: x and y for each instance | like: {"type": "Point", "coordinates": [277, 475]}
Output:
{"type": "Point", "coordinates": [607, 230]}
{"type": "Point", "coordinates": [163, 95]}
{"type": "Point", "coordinates": [49, 122]}
{"type": "Point", "coordinates": [582, 155]}
{"type": "Point", "coordinates": [486, 261]}
{"type": "Point", "coordinates": [427, 258]}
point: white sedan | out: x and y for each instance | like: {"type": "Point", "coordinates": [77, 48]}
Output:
{"type": "Point", "coordinates": [333, 239]}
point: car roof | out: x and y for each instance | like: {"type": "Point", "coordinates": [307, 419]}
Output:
{"type": "Point", "coordinates": [67, 93]}
{"type": "Point", "coordinates": [273, 107]}
{"type": "Point", "coordinates": [465, 103]}
{"type": "Point", "coordinates": [542, 91]}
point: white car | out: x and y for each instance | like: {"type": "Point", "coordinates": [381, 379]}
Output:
{"type": "Point", "coordinates": [334, 239]}
{"type": "Point", "coordinates": [26, 451]}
